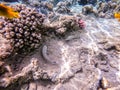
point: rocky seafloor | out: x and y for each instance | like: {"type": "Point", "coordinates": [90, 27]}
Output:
{"type": "Point", "coordinates": [56, 47]}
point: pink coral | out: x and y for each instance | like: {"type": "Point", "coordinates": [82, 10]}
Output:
{"type": "Point", "coordinates": [81, 23]}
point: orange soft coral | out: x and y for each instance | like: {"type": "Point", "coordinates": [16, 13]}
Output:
{"type": "Point", "coordinates": [8, 12]}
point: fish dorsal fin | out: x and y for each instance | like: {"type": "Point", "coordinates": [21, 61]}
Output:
{"type": "Point", "coordinates": [6, 5]}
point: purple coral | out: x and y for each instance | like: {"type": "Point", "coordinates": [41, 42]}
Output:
{"type": "Point", "coordinates": [81, 23]}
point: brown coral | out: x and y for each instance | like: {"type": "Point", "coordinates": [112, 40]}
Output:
{"type": "Point", "coordinates": [24, 33]}
{"type": "Point", "coordinates": [5, 47]}
{"type": "Point", "coordinates": [61, 25]}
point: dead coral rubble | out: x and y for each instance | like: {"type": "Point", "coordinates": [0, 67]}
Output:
{"type": "Point", "coordinates": [29, 72]}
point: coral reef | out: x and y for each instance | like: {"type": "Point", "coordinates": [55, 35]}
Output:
{"type": "Point", "coordinates": [72, 51]}
{"type": "Point", "coordinates": [106, 10]}
{"type": "Point", "coordinates": [62, 7]}
{"type": "Point", "coordinates": [101, 9]}
{"type": "Point", "coordinates": [5, 47]}
{"type": "Point", "coordinates": [88, 9]}
{"type": "Point", "coordinates": [23, 33]}
{"type": "Point", "coordinates": [33, 66]}
{"type": "Point", "coordinates": [27, 32]}
{"type": "Point", "coordinates": [55, 66]}
{"type": "Point", "coordinates": [61, 25]}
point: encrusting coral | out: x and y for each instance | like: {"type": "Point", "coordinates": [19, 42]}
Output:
{"type": "Point", "coordinates": [5, 47]}
{"type": "Point", "coordinates": [23, 33]}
